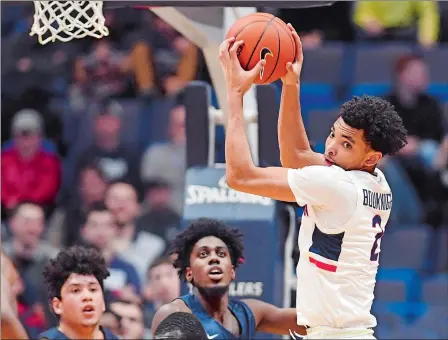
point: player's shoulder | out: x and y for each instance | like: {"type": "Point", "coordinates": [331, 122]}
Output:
{"type": "Point", "coordinates": [50, 334]}
{"type": "Point", "coordinates": [323, 173]}
{"type": "Point", "coordinates": [177, 305]}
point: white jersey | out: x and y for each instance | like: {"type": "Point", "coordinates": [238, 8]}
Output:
{"type": "Point", "coordinates": [339, 241]}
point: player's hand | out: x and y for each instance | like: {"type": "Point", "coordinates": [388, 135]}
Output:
{"type": "Point", "coordinates": [237, 79]}
{"type": "Point", "coordinates": [293, 70]}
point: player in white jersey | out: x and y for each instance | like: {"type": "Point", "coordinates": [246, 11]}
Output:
{"type": "Point", "coordinates": [346, 197]}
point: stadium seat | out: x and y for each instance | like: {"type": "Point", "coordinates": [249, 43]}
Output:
{"type": "Point", "coordinates": [407, 205]}
{"type": "Point", "coordinates": [407, 311]}
{"type": "Point", "coordinates": [412, 332]}
{"type": "Point", "coordinates": [317, 96]}
{"type": "Point", "coordinates": [321, 76]}
{"type": "Point", "coordinates": [323, 65]}
{"type": "Point", "coordinates": [390, 291]}
{"type": "Point", "coordinates": [436, 59]}
{"type": "Point", "coordinates": [442, 250]}
{"type": "Point", "coordinates": [435, 290]}
{"type": "Point", "coordinates": [374, 63]}
{"type": "Point", "coordinates": [319, 124]}
{"type": "Point", "coordinates": [435, 319]}
{"type": "Point", "coordinates": [405, 247]}
{"type": "Point", "coordinates": [387, 322]}
{"type": "Point", "coordinates": [398, 285]}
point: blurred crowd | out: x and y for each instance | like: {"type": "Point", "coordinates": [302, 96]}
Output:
{"type": "Point", "coordinates": [74, 171]}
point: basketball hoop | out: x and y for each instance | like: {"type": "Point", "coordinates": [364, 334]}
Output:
{"type": "Point", "coordinates": [67, 20]}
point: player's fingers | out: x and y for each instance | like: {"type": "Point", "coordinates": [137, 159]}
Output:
{"type": "Point", "coordinates": [235, 47]}
{"type": "Point", "coordinates": [288, 66]}
{"type": "Point", "coordinates": [257, 69]}
{"type": "Point", "coordinates": [224, 48]}
{"type": "Point", "coordinates": [291, 27]}
{"type": "Point", "coordinates": [299, 52]}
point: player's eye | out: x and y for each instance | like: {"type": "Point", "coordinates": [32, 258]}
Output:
{"type": "Point", "coordinates": [221, 253]}
{"type": "Point", "coordinates": [347, 145]}
{"type": "Point", "coordinates": [93, 289]}
{"type": "Point", "coordinates": [203, 254]}
{"type": "Point", "coordinates": [75, 290]}
{"type": "Point", "coordinates": [331, 134]}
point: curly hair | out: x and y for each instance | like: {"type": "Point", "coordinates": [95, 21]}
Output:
{"type": "Point", "coordinates": [183, 243]}
{"type": "Point", "coordinates": [75, 260]}
{"type": "Point", "coordinates": [383, 127]}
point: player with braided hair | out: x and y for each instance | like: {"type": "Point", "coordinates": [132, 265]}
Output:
{"type": "Point", "coordinates": [207, 255]}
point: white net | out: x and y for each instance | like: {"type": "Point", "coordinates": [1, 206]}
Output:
{"type": "Point", "coordinates": [67, 20]}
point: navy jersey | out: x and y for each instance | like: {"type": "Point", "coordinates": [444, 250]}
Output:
{"type": "Point", "coordinates": [213, 328]}
{"type": "Point", "coordinates": [54, 333]}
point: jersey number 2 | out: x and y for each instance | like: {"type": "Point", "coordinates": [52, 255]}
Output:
{"type": "Point", "coordinates": [376, 221]}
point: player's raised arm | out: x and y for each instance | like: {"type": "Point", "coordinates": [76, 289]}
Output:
{"type": "Point", "coordinates": [241, 172]}
{"type": "Point", "coordinates": [295, 150]}
{"type": "Point", "coordinates": [274, 320]}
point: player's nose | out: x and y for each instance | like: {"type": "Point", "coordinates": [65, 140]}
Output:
{"type": "Point", "coordinates": [87, 295]}
{"type": "Point", "coordinates": [214, 259]}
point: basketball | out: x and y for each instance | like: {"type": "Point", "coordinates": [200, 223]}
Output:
{"type": "Point", "coordinates": [265, 37]}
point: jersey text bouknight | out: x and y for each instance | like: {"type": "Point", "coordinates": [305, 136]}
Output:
{"type": "Point", "coordinates": [376, 200]}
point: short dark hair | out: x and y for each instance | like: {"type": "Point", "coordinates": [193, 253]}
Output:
{"type": "Point", "coordinates": [382, 125]}
{"type": "Point", "coordinates": [180, 326]}
{"type": "Point", "coordinates": [184, 242]}
{"type": "Point", "coordinates": [74, 260]}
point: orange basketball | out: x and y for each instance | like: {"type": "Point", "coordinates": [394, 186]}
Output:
{"type": "Point", "coordinates": [265, 36]}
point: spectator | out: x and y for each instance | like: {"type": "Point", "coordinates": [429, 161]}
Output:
{"type": "Point", "coordinates": [167, 161]}
{"type": "Point", "coordinates": [175, 58]}
{"type": "Point", "coordinates": [398, 20]}
{"type": "Point", "coordinates": [135, 246]}
{"type": "Point", "coordinates": [116, 161]}
{"type": "Point", "coordinates": [100, 231]}
{"type": "Point", "coordinates": [66, 221]}
{"type": "Point", "coordinates": [125, 319]}
{"type": "Point", "coordinates": [30, 254]}
{"type": "Point", "coordinates": [104, 72]}
{"type": "Point", "coordinates": [28, 172]}
{"type": "Point", "coordinates": [162, 287]}
{"type": "Point", "coordinates": [159, 218]}
{"type": "Point", "coordinates": [422, 117]}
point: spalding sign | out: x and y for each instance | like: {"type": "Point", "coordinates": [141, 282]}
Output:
{"type": "Point", "coordinates": [221, 194]}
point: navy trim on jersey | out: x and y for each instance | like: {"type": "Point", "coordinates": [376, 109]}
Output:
{"type": "Point", "coordinates": [328, 246]}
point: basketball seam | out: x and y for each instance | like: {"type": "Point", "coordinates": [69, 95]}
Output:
{"type": "Point", "coordinates": [259, 39]}
{"type": "Point", "coordinates": [290, 37]}
{"type": "Point", "coordinates": [278, 55]}
{"type": "Point", "coordinates": [241, 30]}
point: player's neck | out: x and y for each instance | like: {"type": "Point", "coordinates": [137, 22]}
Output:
{"type": "Point", "coordinates": [70, 332]}
{"type": "Point", "coordinates": [214, 305]}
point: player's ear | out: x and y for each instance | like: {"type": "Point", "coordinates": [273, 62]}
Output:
{"type": "Point", "coordinates": [233, 273]}
{"type": "Point", "coordinates": [188, 274]}
{"type": "Point", "coordinates": [373, 158]}
{"type": "Point", "coordinates": [57, 306]}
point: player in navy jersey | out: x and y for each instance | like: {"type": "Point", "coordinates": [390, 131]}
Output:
{"type": "Point", "coordinates": [207, 254]}
{"type": "Point", "coordinates": [75, 285]}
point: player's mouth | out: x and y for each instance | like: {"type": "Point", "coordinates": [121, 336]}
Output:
{"type": "Point", "coordinates": [215, 273]}
{"type": "Point", "coordinates": [88, 311]}
{"type": "Point", "coordinates": [329, 162]}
